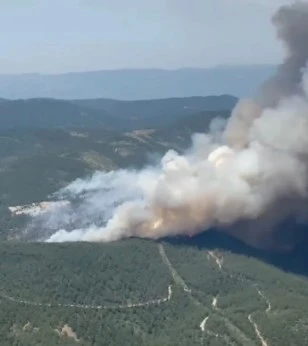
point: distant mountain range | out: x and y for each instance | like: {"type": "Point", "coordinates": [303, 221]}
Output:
{"type": "Point", "coordinates": [138, 84]}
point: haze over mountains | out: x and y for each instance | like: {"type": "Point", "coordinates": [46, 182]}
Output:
{"type": "Point", "coordinates": [133, 84]}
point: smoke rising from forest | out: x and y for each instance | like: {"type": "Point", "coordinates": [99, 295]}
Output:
{"type": "Point", "coordinates": [243, 182]}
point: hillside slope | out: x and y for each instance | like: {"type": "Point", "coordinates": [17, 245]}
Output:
{"type": "Point", "coordinates": [159, 107]}
{"type": "Point", "coordinates": [107, 114]}
{"type": "Point", "coordinates": [145, 293]}
{"type": "Point", "coordinates": [48, 113]}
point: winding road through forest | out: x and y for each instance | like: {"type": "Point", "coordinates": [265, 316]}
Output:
{"type": "Point", "coordinates": [90, 307]}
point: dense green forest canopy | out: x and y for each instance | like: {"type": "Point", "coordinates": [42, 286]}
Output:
{"type": "Point", "coordinates": [113, 115]}
{"type": "Point", "coordinates": [145, 293]}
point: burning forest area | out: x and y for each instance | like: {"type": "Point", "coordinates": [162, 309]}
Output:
{"type": "Point", "coordinates": [244, 179]}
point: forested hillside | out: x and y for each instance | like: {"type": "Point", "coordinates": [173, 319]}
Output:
{"type": "Point", "coordinates": [111, 115]}
{"type": "Point", "coordinates": [206, 290]}
{"type": "Point", "coordinates": [161, 109]}
{"type": "Point", "coordinates": [37, 162]}
{"type": "Point", "coordinates": [145, 293]}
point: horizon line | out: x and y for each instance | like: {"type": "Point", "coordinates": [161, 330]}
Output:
{"type": "Point", "coordinates": [125, 69]}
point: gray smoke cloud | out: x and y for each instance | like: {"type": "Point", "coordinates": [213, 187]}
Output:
{"type": "Point", "coordinates": [243, 179]}
{"type": "Point", "coordinates": [292, 29]}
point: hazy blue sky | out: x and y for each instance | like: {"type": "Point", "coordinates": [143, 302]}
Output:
{"type": "Point", "coordinates": [53, 36]}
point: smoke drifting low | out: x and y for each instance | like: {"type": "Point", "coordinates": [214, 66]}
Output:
{"type": "Point", "coordinates": [244, 181]}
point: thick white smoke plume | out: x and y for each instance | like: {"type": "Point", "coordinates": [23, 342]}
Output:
{"type": "Point", "coordinates": [255, 171]}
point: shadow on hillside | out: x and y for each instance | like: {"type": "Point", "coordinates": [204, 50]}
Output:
{"type": "Point", "coordinates": [295, 261]}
